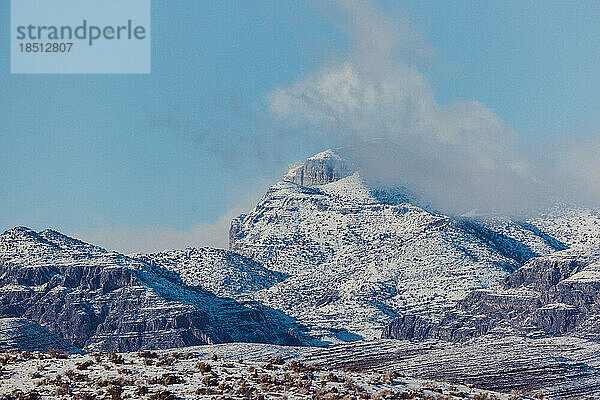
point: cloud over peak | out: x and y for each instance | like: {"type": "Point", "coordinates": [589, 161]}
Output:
{"type": "Point", "coordinates": [459, 154]}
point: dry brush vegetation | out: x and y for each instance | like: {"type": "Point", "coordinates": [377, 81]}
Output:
{"type": "Point", "coordinates": [176, 375]}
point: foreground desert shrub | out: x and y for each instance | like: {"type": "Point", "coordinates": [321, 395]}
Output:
{"type": "Point", "coordinates": [84, 396]}
{"type": "Point", "coordinates": [162, 395]}
{"type": "Point", "coordinates": [209, 380]}
{"type": "Point", "coordinates": [147, 354]}
{"type": "Point", "coordinates": [384, 394]}
{"type": "Point", "coordinates": [165, 360]}
{"type": "Point", "coordinates": [275, 361]}
{"type": "Point", "coordinates": [114, 392]}
{"type": "Point", "coordinates": [202, 391]}
{"type": "Point", "coordinates": [297, 366]}
{"type": "Point", "coordinates": [75, 377]}
{"type": "Point", "coordinates": [141, 390]}
{"type": "Point", "coordinates": [353, 368]}
{"type": "Point", "coordinates": [20, 395]}
{"type": "Point", "coordinates": [202, 366]}
{"type": "Point", "coordinates": [62, 389]}
{"type": "Point", "coordinates": [56, 353]}
{"type": "Point", "coordinates": [115, 381]}
{"type": "Point", "coordinates": [331, 377]}
{"type": "Point", "coordinates": [32, 375]}
{"type": "Point", "coordinates": [6, 359]}
{"type": "Point", "coordinates": [84, 365]}
{"type": "Point", "coordinates": [484, 396]}
{"type": "Point", "coordinates": [390, 376]}
{"type": "Point", "coordinates": [166, 379]}
{"type": "Point", "coordinates": [116, 358]}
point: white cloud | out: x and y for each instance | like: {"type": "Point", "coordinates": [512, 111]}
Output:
{"type": "Point", "coordinates": [459, 155]}
{"type": "Point", "coordinates": [578, 171]}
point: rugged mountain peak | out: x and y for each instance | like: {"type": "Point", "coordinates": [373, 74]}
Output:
{"type": "Point", "coordinates": [357, 254]}
{"type": "Point", "coordinates": [68, 243]}
{"type": "Point", "coordinates": [18, 230]}
{"type": "Point", "coordinates": [22, 240]}
{"type": "Point", "coordinates": [22, 233]}
{"type": "Point", "coordinates": [320, 169]}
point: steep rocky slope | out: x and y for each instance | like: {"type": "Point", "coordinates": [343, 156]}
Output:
{"type": "Point", "coordinates": [551, 295]}
{"type": "Point", "coordinates": [96, 299]}
{"type": "Point", "coordinates": [26, 335]}
{"type": "Point", "coordinates": [358, 254]}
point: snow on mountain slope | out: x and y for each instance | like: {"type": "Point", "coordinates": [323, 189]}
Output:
{"type": "Point", "coordinates": [551, 295]}
{"type": "Point", "coordinates": [358, 255]}
{"type": "Point", "coordinates": [97, 299]}
{"type": "Point", "coordinates": [571, 225]}
{"type": "Point", "coordinates": [220, 271]}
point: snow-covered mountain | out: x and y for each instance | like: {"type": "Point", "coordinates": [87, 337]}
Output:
{"type": "Point", "coordinates": [324, 254]}
{"type": "Point", "coordinates": [572, 225]}
{"type": "Point", "coordinates": [96, 299]}
{"type": "Point", "coordinates": [358, 255]}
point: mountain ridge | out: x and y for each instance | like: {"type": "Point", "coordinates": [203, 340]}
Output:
{"type": "Point", "coordinates": [324, 257]}
{"type": "Point", "coordinates": [97, 299]}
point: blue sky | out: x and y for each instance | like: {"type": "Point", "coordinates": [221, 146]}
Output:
{"type": "Point", "coordinates": [143, 162]}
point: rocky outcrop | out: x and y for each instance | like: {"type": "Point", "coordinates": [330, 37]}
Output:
{"type": "Point", "coordinates": [454, 327]}
{"type": "Point", "coordinates": [498, 302]}
{"type": "Point", "coordinates": [542, 273]}
{"type": "Point", "coordinates": [556, 318]}
{"type": "Point", "coordinates": [320, 169]}
{"type": "Point", "coordinates": [552, 295]}
{"type": "Point", "coordinates": [95, 299]}
{"type": "Point", "coordinates": [408, 327]}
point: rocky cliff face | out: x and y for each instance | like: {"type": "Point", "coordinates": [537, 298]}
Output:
{"type": "Point", "coordinates": [320, 169]}
{"type": "Point", "coordinates": [542, 273]}
{"type": "Point", "coordinates": [96, 299]}
{"type": "Point", "coordinates": [551, 295]}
